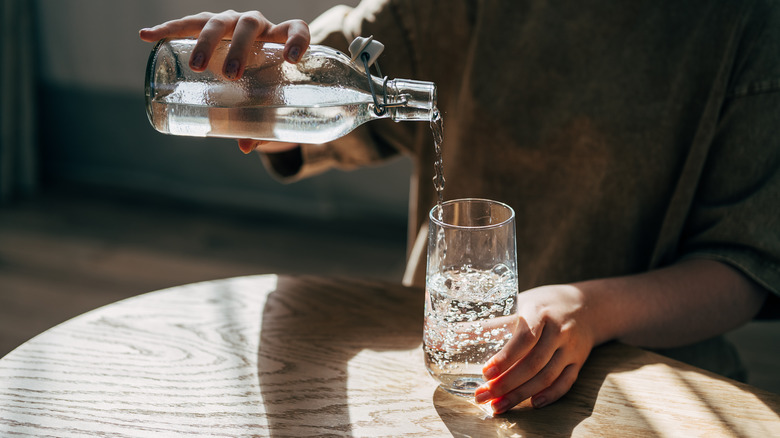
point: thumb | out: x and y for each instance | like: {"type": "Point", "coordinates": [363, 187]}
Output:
{"type": "Point", "coordinates": [247, 145]}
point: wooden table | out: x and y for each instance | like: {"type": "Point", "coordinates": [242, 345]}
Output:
{"type": "Point", "coordinates": [290, 356]}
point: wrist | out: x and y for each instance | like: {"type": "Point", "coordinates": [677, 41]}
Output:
{"type": "Point", "coordinates": [598, 311]}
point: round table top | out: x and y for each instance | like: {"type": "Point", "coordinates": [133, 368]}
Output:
{"type": "Point", "coordinates": [304, 356]}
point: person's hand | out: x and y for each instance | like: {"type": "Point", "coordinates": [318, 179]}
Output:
{"type": "Point", "coordinates": [552, 339]}
{"type": "Point", "coordinates": [247, 145]}
{"type": "Point", "coordinates": [243, 28]}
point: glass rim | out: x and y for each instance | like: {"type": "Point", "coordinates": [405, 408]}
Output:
{"type": "Point", "coordinates": [440, 223]}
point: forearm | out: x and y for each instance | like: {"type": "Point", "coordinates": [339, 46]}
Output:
{"type": "Point", "coordinates": [678, 305]}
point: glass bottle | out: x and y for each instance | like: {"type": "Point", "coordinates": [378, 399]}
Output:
{"type": "Point", "coordinates": [322, 97]}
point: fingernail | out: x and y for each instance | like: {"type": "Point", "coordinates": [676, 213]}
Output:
{"type": "Point", "coordinates": [248, 148]}
{"type": "Point", "coordinates": [490, 373]}
{"type": "Point", "coordinates": [482, 397]}
{"type": "Point", "coordinates": [500, 406]}
{"type": "Point", "coordinates": [539, 402]}
{"type": "Point", "coordinates": [295, 53]}
{"type": "Point", "coordinates": [231, 69]}
{"type": "Point", "coordinates": [197, 60]}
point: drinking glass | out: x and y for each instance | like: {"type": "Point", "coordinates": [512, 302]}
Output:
{"type": "Point", "coordinates": [470, 290]}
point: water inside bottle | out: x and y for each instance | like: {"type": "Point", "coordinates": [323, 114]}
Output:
{"type": "Point", "coordinates": [289, 115]}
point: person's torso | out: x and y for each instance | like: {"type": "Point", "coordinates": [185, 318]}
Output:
{"type": "Point", "coordinates": [581, 116]}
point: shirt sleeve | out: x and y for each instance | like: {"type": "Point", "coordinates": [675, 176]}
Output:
{"type": "Point", "coordinates": [735, 216]}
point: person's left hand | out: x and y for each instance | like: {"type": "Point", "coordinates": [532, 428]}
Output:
{"type": "Point", "coordinates": [553, 337]}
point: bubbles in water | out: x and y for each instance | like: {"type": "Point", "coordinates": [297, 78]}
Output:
{"type": "Point", "coordinates": [501, 270]}
{"type": "Point", "coordinates": [467, 319]}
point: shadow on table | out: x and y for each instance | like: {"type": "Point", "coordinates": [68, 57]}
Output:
{"type": "Point", "coordinates": [465, 419]}
{"type": "Point", "coordinates": [607, 378]}
{"type": "Point", "coordinates": [311, 329]}
{"type": "Point", "coordinates": [559, 419]}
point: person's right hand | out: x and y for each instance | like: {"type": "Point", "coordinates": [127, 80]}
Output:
{"type": "Point", "coordinates": [243, 28]}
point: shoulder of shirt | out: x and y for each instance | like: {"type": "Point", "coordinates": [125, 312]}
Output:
{"type": "Point", "coordinates": [757, 64]}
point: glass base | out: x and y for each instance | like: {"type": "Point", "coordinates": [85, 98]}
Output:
{"type": "Point", "coordinates": [462, 385]}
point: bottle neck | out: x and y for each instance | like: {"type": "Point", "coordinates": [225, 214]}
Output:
{"type": "Point", "coordinates": [411, 100]}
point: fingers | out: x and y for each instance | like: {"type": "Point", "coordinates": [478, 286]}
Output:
{"type": "Point", "coordinates": [294, 34]}
{"type": "Point", "coordinates": [242, 28]}
{"type": "Point", "coordinates": [549, 347]}
{"type": "Point", "coordinates": [517, 364]}
{"type": "Point", "coordinates": [247, 29]}
{"type": "Point", "coordinates": [189, 26]}
{"type": "Point", "coordinates": [216, 28]}
{"type": "Point", "coordinates": [297, 39]}
{"type": "Point", "coordinates": [248, 145]}
{"type": "Point", "coordinates": [525, 367]}
{"type": "Point", "coordinates": [526, 335]}
{"type": "Point", "coordinates": [546, 386]}
{"type": "Point", "coordinates": [541, 380]}
{"type": "Point", "coordinates": [559, 387]}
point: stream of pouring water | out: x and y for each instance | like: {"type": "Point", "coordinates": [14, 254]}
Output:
{"type": "Point", "coordinates": [437, 128]}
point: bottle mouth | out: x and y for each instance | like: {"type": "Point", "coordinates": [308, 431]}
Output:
{"type": "Point", "coordinates": [420, 97]}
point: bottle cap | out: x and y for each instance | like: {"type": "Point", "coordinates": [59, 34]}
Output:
{"type": "Point", "coordinates": [365, 45]}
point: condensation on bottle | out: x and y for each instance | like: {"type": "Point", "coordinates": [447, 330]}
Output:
{"type": "Point", "coordinates": [324, 96]}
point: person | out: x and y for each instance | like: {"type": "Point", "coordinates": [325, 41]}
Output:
{"type": "Point", "coordinates": [637, 142]}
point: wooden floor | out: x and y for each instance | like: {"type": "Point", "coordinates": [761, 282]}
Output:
{"type": "Point", "coordinates": [69, 251]}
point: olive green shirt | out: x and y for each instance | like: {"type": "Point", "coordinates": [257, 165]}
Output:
{"type": "Point", "coordinates": [626, 135]}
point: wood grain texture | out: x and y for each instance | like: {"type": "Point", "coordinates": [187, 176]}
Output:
{"type": "Point", "coordinates": [306, 356]}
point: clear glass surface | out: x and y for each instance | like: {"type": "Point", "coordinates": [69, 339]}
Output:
{"type": "Point", "coordinates": [471, 290]}
{"type": "Point", "coordinates": [319, 99]}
